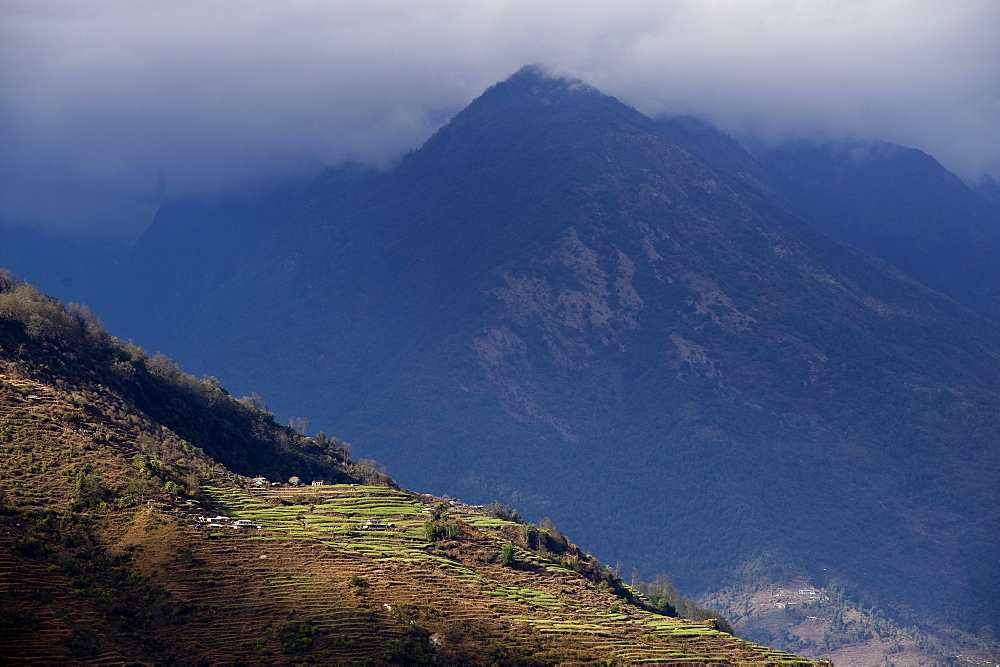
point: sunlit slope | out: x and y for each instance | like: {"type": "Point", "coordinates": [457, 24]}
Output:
{"type": "Point", "coordinates": [112, 549]}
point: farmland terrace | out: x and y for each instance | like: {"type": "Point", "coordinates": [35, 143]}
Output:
{"type": "Point", "coordinates": [104, 562]}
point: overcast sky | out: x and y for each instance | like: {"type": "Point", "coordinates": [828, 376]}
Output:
{"type": "Point", "coordinates": [107, 107]}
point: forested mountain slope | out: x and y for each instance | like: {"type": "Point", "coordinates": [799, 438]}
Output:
{"type": "Point", "coordinates": [902, 206]}
{"type": "Point", "coordinates": [560, 303]}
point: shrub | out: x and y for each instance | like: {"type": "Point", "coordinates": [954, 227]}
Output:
{"type": "Point", "coordinates": [507, 555]}
{"type": "Point", "coordinates": [173, 488]}
{"type": "Point", "coordinates": [128, 500]}
{"type": "Point", "coordinates": [437, 530]}
{"type": "Point", "coordinates": [504, 512]}
{"type": "Point", "coordinates": [414, 649]}
{"type": "Point", "coordinates": [298, 637]}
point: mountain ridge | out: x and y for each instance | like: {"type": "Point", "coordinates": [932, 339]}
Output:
{"type": "Point", "coordinates": [900, 205]}
{"type": "Point", "coordinates": [609, 321]}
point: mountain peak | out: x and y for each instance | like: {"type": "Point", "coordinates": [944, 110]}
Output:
{"type": "Point", "coordinates": [536, 84]}
{"type": "Point", "coordinates": [514, 117]}
{"type": "Point", "coordinates": [537, 78]}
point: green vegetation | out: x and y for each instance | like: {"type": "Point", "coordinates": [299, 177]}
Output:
{"type": "Point", "coordinates": [666, 600]}
{"type": "Point", "coordinates": [507, 555]}
{"type": "Point", "coordinates": [442, 530]}
{"type": "Point", "coordinates": [298, 638]}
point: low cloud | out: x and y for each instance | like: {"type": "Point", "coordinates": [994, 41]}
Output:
{"type": "Point", "coordinates": [107, 107]}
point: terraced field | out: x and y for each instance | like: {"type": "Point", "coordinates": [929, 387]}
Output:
{"type": "Point", "coordinates": [399, 576]}
{"type": "Point", "coordinates": [86, 578]}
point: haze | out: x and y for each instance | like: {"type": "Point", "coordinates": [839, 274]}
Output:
{"type": "Point", "coordinates": [107, 108]}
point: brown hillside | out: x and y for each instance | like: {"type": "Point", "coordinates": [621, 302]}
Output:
{"type": "Point", "coordinates": [310, 584]}
{"type": "Point", "coordinates": [107, 556]}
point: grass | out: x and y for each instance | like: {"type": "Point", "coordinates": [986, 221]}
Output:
{"type": "Point", "coordinates": [335, 517]}
{"type": "Point", "coordinates": [332, 519]}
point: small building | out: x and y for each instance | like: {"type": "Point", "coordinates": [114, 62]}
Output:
{"type": "Point", "coordinates": [260, 481]}
{"type": "Point", "coordinates": [241, 524]}
{"type": "Point", "coordinates": [377, 524]}
{"type": "Point", "coordinates": [318, 482]}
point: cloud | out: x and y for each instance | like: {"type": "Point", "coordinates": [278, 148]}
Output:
{"type": "Point", "coordinates": [103, 102]}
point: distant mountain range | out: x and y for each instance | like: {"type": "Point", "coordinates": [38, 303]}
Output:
{"type": "Point", "coordinates": [902, 206]}
{"type": "Point", "coordinates": [694, 359]}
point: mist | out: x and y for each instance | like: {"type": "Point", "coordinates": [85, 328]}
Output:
{"type": "Point", "coordinates": [109, 108]}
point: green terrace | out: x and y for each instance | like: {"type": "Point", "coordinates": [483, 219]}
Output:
{"type": "Point", "coordinates": [335, 515]}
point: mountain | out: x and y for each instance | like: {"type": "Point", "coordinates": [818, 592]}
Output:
{"type": "Point", "coordinates": [77, 268]}
{"type": "Point", "coordinates": [988, 188]}
{"type": "Point", "coordinates": [902, 206]}
{"type": "Point", "coordinates": [617, 323]}
{"type": "Point", "coordinates": [106, 556]}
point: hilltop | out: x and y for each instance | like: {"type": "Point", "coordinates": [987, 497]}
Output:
{"type": "Point", "coordinates": [113, 549]}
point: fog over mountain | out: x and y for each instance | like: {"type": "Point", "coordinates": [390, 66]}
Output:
{"type": "Point", "coordinates": [107, 109]}
{"type": "Point", "coordinates": [558, 302]}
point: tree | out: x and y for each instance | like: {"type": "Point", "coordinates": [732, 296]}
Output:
{"type": "Point", "coordinates": [507, 555]}
{"type": "Point", "coordinates": [368, 471]}
{"type": "Point", "coordinates": [548, 526]}
{"type": "Point", "coordinates": [299, 424]}
{"type": "Point", "coordinates": [255, 401]}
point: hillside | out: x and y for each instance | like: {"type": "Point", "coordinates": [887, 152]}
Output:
{"type": "Point", "coordinates": [902, 206]}
{"type": "Point", "coordinates": [615, 322]}
{"type": "Point", "coordinates": [106, 556]}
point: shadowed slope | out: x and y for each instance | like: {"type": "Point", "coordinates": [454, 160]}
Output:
{"type": "Point", "coordinates": [556, 304]}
